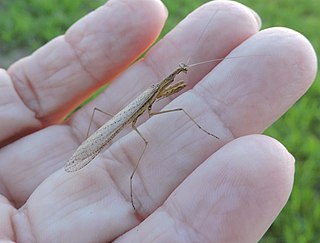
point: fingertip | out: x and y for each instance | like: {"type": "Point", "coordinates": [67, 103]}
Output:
{"type": "Point", "coordinates": [294, 50]}
{"type": "Point", "coordinates": [161, 6]}
{"type": "Point", "coordinates": [243, 186]}
{"type": "Point", "coordinates": [268, 158]}
{"type": "Point", "coordinates": [256, 17]}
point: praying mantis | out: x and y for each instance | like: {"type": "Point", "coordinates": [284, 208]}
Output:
{"type": "Point", "coordinates": [92, 146]}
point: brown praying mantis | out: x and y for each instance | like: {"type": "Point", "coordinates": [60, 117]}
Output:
{"type": "Point", "coordinates": [92, 146]}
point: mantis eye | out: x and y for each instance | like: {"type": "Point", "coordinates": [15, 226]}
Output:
{"type": "Point", "coordinates": [183, 66]}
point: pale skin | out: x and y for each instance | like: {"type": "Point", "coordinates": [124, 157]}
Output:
{"type": "Point", "coordinates": [189, 187]}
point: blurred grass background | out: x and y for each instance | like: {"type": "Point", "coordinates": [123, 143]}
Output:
{"type": "Point", "coordinates": [25, 25]}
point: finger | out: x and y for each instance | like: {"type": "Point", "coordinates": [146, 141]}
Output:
{"type": "Point", "coordinates": [250, 94]}
{"type": "Point", "coordinates": [234, 196]}
{"type": "Point", "coordinates": [32, 163]}
{"type": "Point", "coordinates": [56, 78]}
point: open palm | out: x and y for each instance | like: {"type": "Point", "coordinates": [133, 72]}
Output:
{"type": "Point", "coordinates": [189, 187]}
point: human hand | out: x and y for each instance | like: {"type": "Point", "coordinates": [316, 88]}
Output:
{"type": "Point", "coordinates": [189, 187]}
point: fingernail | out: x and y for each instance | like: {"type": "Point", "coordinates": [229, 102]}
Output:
{"type": "Point", "coordinates": [257, 17]}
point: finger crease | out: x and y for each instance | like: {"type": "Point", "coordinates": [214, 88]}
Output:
{"type": "Point", "coordinates": [78, 57]}
{"type": "Point", "coordinates": [217, 114]}
{"type": "Point", "coordinates": [181, 223]}
{"type": "Point", "coordinates": [15, 79]}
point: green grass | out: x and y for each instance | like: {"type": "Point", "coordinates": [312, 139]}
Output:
{"type": "Point", "coordinates": [32, 23]}
{"type": "Point", "coordinates": [298, 129]}
{"type": "Point", "coordinates": [26, 25]}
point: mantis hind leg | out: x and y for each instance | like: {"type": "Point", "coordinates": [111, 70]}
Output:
{"type": "Point", "coordinates": [137, 164]}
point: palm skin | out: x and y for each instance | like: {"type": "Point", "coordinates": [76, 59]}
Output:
{"type": "Point", "coordinates": [189, 187]}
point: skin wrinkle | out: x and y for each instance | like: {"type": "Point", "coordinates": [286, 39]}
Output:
{"type": "Point", "coordinates": [13, 226]}
{"type": "Point", "coordinates": [83, 37]}
{"type": "Point", "coordinates": [166, 42]}
{"type": "Point", "coordinates": [94, 197]}
{"type": "Point", "coordinates": [128, 5]}
{"type": "Point", "coordinates": [202, 37]}
{"type": "Point", "coordinates": [149, 64]}
{"type": "Point", "coordinates": [119, 189]}
{"type": "Point", "coordinates": [23, 212]}
{"type": "Point", "coordinates": [7, 105]}
{"type": "Point", "coordinates": [180, 219]}
{"type": "Point", "coordinates": [67, 204]}
{"type": "Point", "coordinates": [222, 189]}
{"type": "Point", "coordinates": [5, 190]}
{"type": "Point", "coordinates": [267, 103]}
{"type": "Point", "coordinates": [202, 90]}
{"type": "Point", "coordinates": [14, 78]}
{"type": "Point", "coordinates": [214, 111]}
{"type": "Point", "coordinates": [13, 232]}
{"type": "Point", "coordinates": [5, 80]}
{"type": "Point", "coordinates": [221, 215]}
{"type": "Point", "coordinates": [37, 107]}
{"type": "Point", "coordinates": [74, 209]}
{"type": "Point", "coordinates": [78, 57]}
{"type": "Point", "coordinates": [21, 181]}
{"type": "Point", "coordinates": [261, 104]}
{"type": "Point", "coordinates": [232, 102]}
{"type": "Point", "coordinates": [18, 175]}
{"type": "Point", "coordinates": [76, 135]}
{"type": "Point", "coordinates": [82, 56]}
